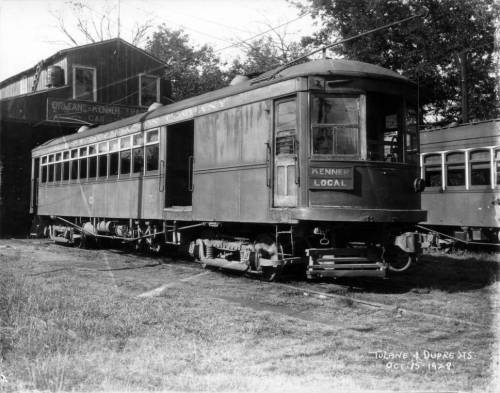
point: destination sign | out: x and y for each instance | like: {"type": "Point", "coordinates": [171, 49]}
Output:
{"type": "Point", "coordinates": [331, 178]}
{"type": "Point", "coordinates": [91, 112]}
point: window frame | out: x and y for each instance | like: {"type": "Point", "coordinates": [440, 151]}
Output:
{"type": "Point", "coordinates": [94, 81]}
{"type": "Point", "coordinates": [472, 161]}
{"type": "Point", "coordinates": [439, 165]}
{"type": "Point", "coordinates": [360, 150]}
{"type": "Point", "coordinates": [464, 163]}
{"type": "Point", "coordinates": [146, 145]}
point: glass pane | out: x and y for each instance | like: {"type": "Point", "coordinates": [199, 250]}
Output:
{"type": "Point", "coordinates": [138, 157]}
{"type": "Point", "coordinates": [83, 169]}
{"type": "Point", "coordinates": [149, 90]}
{"type": "Point", "coordinates": [58, 171]}
{"type": "Point", "coordinates": [84, 84]}
{"type": "Point", "coordinates": [152, 136]}
{"type": "Point", "coordinates": [66, 170]}
{"type": "Point", "coordinates": [74, 153]}
{"type": "Point", "coordinates": [113, 145]}
{"type": "Point", "coordinates": [152, 157]}
{"type": "Point", "coordinates": [125, 143]}
{"type": "Point", "coordinates": [74, 169]}
{"type": "Point", "coordinates": [51, 172]}
{"type": "Point", "coordinates": [66, 155]}
{"type": "Point", "coordinates": [44, 160]}
{"type": "Point", "coordinates": [480, 174]}
{"type": "Point", "coordinates": [113, 164]}
{"type": "Point", "coordinates": [346, 140]}
{"type": "Point", "coordinates": [138, 139]}
{"type": "Point", "coordinates": [51, 158]}
{"type": "Point", "coordinates": [433, 177]}
{"type": "Point", "coordinates": [44, 174]}
{"type": "Point", "coordinates": [286, 115]}
{"type": "Point", "coordinates": [322, 140]}
{"type": "Point", "coordinates": [498, 173]}
{"type": "Point", "coordinates": [103, 165]}
{"type": "Point", "coordinates": [335, 110]}
{"type": "Point", "coordinates": [125, 162]}
{"type": "Point", "coordinates": [83, 151]}
{"type": "Point", "coordinates": [103, 147]}
{"type": "Point", "coordinates": [58, 156]}
{"type": "Point", "coordinates": [455, 175]}
{"type": "Point", "coordinates": [92, 167]}
{"type": "Point", "coordinates": [92, 149]}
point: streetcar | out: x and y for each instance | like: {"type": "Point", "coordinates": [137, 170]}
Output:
{"type": "Point", "coordinates": [313, 165]}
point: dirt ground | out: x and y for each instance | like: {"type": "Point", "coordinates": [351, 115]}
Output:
{"type": "Point", "coordinates": [108, 320]}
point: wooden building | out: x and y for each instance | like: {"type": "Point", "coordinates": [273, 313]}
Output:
{"type": "Point", "coordinates": [85, 85]}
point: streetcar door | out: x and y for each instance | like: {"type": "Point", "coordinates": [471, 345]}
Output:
{"type": "Point", "coordinates": [286, 173]}
{"type": "Point", "coordinates": [179, 164]}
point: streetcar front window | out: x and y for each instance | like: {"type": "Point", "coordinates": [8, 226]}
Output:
{"type": "Point", "coordinates": [335, 125]}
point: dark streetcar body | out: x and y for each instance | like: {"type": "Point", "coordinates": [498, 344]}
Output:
{"type": "Point", "coordinates": [461, 168]}
{"type": "Point", "coordinates": [314, 165]}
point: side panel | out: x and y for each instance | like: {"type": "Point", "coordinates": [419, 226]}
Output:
{"type": "Point", "coordinates": [462, 208]}
{"type": "Point", "coordinates": [230, 164]}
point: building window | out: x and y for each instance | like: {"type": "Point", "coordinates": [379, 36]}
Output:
{"type": "Point", "coordinates": [480, 167]}
{"type": "Point", "coordinates": [84, 83]}
{"type": "Point", "coordinates": [149, 89]}
{"type": "Point", "coordinates": [152, 150]}
{"type": "Point", "coordinates": [432, 170]}
{"type": "Point", "coordinates": [455, 169]}
{"type": "Point", "coordinates": [335, 125]}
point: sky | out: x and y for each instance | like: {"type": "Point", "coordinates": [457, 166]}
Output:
{"type": "Point", "coordinates": [29, 32]}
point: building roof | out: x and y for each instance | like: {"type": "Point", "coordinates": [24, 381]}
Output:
{"type": "Point", "coordinates": [65, 52]}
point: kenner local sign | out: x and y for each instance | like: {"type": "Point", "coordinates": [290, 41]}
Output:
{"type": "Point", "coordinates": [331, 178]}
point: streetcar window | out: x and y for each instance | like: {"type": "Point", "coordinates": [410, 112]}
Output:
{"type": "Point", "coordinates": [125, 162]}
{"type": "Point", "coordinates": [58, 171]}
{"type": "Point", "coordinates": [335, 125]}
{"type": "Point", "coordinates": [497, 166]}
{"type": "Point", "coordinates": [103, 165]}
{"type": "Point", "coordinates": [138, 159]}
{"type": "Point", "coordinates": [411, 138]}
{"type": "Point", "coordinates": [125, 143]}
{"type": "Point", "coordinates": [432, 170]}
{"type": "Point", "coordinates": [66, 155]}
{"type": "Point", "coordinates": [44, 174]}
{"type": "Point", "coordinates": [51, 158]}
{"type": "Point", "coordinates": [113, 145]}
{"type": "Point", "coordinates": [480, 167]}
{"type": "Point", "coordinates": [138, 140]}
{"type": "Point", "coordinates": [103, 147]}
{"type": "Point", "coordinates": [83, 168]}
{"type": "Point", "coordinates": [92, 167]}
{"type": "Point", "coordinates": [113, 164]}
{"type": "Point", "coordinates": [152, 150]}
{"type": "Point", "coordinates": [51, 172]}
{"type": "Point", "coordinates": [65, 174]}
{"type": "Point", "coordinates": [92, 150]}
{"type": "Point", "coordinates": [44, 160]}
{"type": "Point", "coordinates": [83, 151]}
{"type": "Point", "coordinates": [152, 155]}
{"type": "Point", "coordinates": [455, 169]}
{"type": "Point", "coordinates": [286, 125]}
{"type": "Point", "coordinates": [74, 153]}
{"type": "Point", "coordinates": [74, 169]}
{"type": "Point", "coordinates": [58, 156]}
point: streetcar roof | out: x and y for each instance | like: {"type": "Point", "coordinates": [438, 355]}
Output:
{"type": "Point", "coordinates": [324, 67]}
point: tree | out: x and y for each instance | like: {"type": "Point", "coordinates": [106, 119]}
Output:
{"type": "Point", "coordinates": [266, 53]}
{"type": "Point", "coordinates": [192, 71]}
{"type": "Point", "coordinates": [426, 49]}
{"type": "Point", "coordinates": [93, 22]}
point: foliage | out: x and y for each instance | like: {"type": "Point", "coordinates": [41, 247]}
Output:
{"type": "Point", "coordinates": [266, 53]}
{"type": "Point", "coordinates": [425, 49]}
{"type": "Point", "coordinates": [192, 71]}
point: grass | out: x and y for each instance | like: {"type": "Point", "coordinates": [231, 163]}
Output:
{"type": "Point", "coordinates": [70, 330]}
